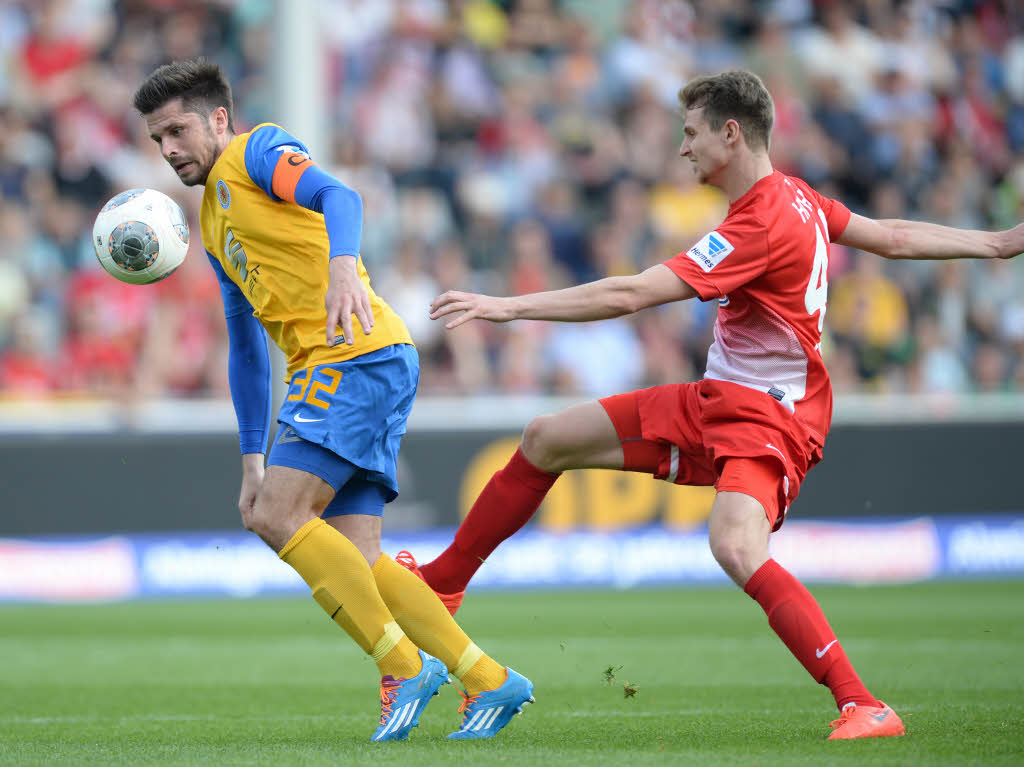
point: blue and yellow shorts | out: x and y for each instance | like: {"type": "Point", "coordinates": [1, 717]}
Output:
{"type": "Point", "coordinates": [344, 423]}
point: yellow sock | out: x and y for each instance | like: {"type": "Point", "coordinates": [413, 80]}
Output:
{"type": "Point", "coordinates": [334, 569]}
{"type": "Point", "coordinates": [422, 616]}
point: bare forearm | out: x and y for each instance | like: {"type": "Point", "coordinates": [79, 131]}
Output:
{"type": "Point", "coordinates": [920, 240]}
{"type": "Point", "coordinates": [252, 462]}
{"type": "Point", "coordinates": [610, 297]}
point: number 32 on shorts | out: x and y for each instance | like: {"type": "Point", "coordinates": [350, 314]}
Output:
{"type": "Point", "coordinates": [310, 388]}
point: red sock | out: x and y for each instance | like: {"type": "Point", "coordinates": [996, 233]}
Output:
{"type": "Point", "coordinates": [798, 620]}
{"type": "Point", "coordinates": [506, 504]}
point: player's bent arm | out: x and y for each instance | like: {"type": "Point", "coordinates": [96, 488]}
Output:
{"type": "Point", "coordinates": [901, 239]}
{"type": "Point", "coordinates": [297, 179]}
{"type": "Point", "coordinates": [598, 300]}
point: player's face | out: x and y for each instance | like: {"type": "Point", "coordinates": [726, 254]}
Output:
{"type": "Point", "coordinates": [186, 141]}
{"type": "Point", "coordinates": [703, 147]}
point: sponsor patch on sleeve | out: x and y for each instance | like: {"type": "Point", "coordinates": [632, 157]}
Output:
{"type": "Point", "coordinates": [710, 251]}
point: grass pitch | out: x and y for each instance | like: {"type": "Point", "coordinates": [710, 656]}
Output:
{"type": "Point", "coordinates": [275, 683]}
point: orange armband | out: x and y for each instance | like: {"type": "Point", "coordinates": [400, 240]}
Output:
{"type": "Point", "coordinates": [288, 171]}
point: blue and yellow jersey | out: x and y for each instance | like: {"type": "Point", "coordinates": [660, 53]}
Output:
{"type": "Point", "coordinates": [276, 251]}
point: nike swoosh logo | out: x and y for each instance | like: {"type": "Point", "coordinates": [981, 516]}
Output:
{"type": "Point", "coordinates": [821, 653]}
{"type": "Point", "coordinates": [300, 419]}
{"type": "Point", "coordinates": [880, 717]}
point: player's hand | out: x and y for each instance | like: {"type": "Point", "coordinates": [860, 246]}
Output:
{"type": "Point", "coordinates": [346, 295]}
{"type": "Point", "coordinates": [252, 481]}
{"type": "Point", "coordinates": [473, 306]}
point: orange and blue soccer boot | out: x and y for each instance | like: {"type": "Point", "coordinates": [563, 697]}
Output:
{"type": "Point", "coordinates": [452, 602]}
{"type": "Point", "coordinates": [866, 722]}
{"type": "Point", "coordinates": [402, 700]}
{"type": "Point", "coordinates": [487, 712]}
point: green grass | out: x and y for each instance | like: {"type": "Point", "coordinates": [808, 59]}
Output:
{"type": "Point", "coordinates": [275, 683]}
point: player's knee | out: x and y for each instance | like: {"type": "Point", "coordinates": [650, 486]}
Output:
{"type": "Point", "coordinates": [540, 443]}
{"type": "Point", "coordinates": [265, 518]}
{"type": "Point", "coordinates": [248, 517]}
{"type": "Point", "coordinates": [737, 556]}
{"type": "Point", "coordinates": [257, 519]}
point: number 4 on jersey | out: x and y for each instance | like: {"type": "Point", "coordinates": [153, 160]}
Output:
{"type": "Point", "coordinates": [816, 295]}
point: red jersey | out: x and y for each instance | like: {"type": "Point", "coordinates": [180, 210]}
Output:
{"type": "Point", "coordinates": [767, 264]}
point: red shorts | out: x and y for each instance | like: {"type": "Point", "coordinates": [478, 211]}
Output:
{"type": "Point", "coordinates": [716, 433]}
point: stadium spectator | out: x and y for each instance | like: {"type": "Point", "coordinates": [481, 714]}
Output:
{"type": "Point", "coordinates": [868, 313]}
{"type": "Point", "coordinates": [939, 368]}
{"type": "Point", "coordinates": [407, 287]}
{"type": "Point", "coordinates": [843, 48]}
{"type": "Point", "coordinates": [458, 120]}
{"type": "Point", "coordinates": [455, 365]}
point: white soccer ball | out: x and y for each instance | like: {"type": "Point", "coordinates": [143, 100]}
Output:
{"type": "Point", "coordinates": [140, 236]}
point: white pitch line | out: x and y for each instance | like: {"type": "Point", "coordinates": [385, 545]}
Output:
{"type": "Point", "coordinates": [718, 712]}
{"type": "Point", "coordinates": [72, 719]}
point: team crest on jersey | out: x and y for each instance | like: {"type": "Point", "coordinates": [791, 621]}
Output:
{"type": "Point", "coordinates": [710, 251]}
{"type": "Point", "coordinates": [223, 194]}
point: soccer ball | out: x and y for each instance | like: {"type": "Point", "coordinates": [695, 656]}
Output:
{"type": "Point", "coordinates": [140, 236]}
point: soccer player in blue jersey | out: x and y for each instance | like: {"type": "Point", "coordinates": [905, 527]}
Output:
{"type": "Point", "coordinates": [283, 237]}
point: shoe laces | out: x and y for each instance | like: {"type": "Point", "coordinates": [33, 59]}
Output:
{"type": "Point", "coordinates": [845, 715]}
{"type": "Point", "coordinates": [467, 701]}
{"type": "Point", "coordinates": [388, 693]}
{"type": "Point", "coordinates": [406, 560]}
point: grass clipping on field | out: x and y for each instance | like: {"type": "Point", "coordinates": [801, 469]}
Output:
{"type": "Point", "coordinates": [629, 689]}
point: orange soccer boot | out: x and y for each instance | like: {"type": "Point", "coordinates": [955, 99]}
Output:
{"type": "Point", "coordinates": [866, 722]}
{"type": "Point", "coordinates": [452, 602]}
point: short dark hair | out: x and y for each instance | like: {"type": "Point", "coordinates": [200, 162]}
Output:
{"type": "Point", "coordinates": [734, 95]}
{"type": "Point", "coordinates": [198, 82]}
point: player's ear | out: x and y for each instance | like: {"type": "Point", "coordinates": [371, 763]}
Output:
{"type": "Point", "coordinates": [220, 120]}
{"type": "Point", "coordinates": [732, 131]}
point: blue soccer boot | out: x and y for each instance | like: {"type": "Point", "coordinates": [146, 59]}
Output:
{"type": "Point", "coordinates": [487, 712]}
{"type": "Point", "coordinates": [402, 700]}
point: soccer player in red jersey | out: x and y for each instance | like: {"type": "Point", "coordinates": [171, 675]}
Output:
{"type": "Point", "coordinates": [757, 422]}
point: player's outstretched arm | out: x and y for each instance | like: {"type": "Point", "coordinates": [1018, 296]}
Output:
{"type": "Point", "coordinates": [599, 300]}
{"type": "Point", "coordinates": [897, 238]}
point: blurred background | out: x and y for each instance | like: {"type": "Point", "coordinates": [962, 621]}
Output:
{"type": "Point", "coordinates": [508, 147]}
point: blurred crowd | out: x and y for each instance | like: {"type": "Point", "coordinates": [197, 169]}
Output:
{"type": "Point", "coordinates": [521, 145]}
